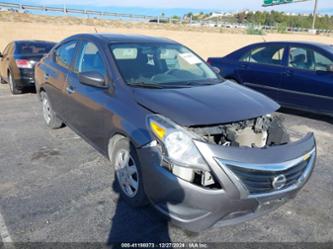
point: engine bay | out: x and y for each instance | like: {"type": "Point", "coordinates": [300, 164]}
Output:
{"type": "Point", "coordinates": [255, 133]}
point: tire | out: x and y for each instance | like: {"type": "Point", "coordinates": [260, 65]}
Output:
{"type": "Point", "coordinates": [49, 115]}
{"type": "Point", "coordinates": [2, 81]}
{"type": "Point", "coordinates": [128, 174]}
{"type": "Point", "coordinates": [12, 85]}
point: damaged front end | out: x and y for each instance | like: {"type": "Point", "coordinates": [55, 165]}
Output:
{"type": "Point", "coordinates": [241, 169]}
{"type": "Point", "coordinates": [255, 133]}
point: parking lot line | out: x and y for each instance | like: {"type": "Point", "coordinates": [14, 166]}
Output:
{"type": "Point", "coordinates": [4, 234]}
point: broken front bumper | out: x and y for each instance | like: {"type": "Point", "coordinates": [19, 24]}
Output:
{"type": "Point", "coordinates": [254, 181]}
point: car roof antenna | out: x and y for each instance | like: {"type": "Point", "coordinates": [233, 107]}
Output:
{"type": "Point", "coordinates": [264, 39]}
{"type": "Point", "coordinates": [95, 29]}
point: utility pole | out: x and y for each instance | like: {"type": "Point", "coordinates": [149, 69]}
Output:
{"type": "Point", "coordinates": [314, 14]}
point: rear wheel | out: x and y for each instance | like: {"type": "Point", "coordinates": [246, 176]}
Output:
{"type": "Point", "coordinates": [128, 173]}
{"type": "Point", "coordinates": [12, 85]}
{"type": "Point", "coordinates": [2, 81]}
{"type": "Point", "coordinates": [49, 115]}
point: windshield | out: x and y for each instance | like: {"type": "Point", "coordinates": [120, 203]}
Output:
{"type": "Point", "coordinates": [161, 64]}
{"type": "Point", "coordinates": [33, 48]}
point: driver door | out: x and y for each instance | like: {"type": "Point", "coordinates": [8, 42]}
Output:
{"type": "Point", "coordinates": [86, 104]}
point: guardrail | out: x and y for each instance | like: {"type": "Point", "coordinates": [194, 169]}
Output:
{"type": "Point", "coordinates": [155, 19]}
{"type": "Point", "coordinates": [22, 7]}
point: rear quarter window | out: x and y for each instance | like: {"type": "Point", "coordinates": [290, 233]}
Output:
{"type": "Point", "coordinates": [65, 53]}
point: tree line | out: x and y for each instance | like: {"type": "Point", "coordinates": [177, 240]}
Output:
{"type": "Point", "coordinates": [272, 18]}
{"type": "Point", "coordinates": [275, 18]}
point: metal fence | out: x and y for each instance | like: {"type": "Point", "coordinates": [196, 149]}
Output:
{"type": "Point", "coordinates": [24, 7]}
{"type": "Point", "coordinates": [148, 18]}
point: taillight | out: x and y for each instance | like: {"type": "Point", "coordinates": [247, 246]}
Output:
{"type": "Point", "coordinates": [21, 63]}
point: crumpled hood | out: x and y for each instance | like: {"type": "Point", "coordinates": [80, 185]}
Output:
{"type": "Point", "coordinates": [206, 105]}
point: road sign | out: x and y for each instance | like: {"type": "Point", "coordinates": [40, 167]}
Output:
{"type": "Point", "coordinates": [278, 2]}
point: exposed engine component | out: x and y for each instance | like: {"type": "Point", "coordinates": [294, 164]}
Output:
{"type": "Point", "coordinates": [184, 173]}
{"type": "Point", "coordinates": [200, 178]}
{"type": "Point", "coordinates": [256, 133]}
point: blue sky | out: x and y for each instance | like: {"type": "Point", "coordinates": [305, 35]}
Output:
{"type": "Point", "coordinates": [180, 6]}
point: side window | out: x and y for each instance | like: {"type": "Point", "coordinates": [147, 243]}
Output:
{"type": "Point", "coordinates": [322, 63]}
{"type": "Point", "coordinates": [90, 60]}
{"type": "Point", "coordinates": [246, 57]}
{"type": "Point", "coordinates": [64, 54]}
{"type": "Point", "coordinates": [271, 55]}
{"type": "Point", "coordinates": [301, 58]}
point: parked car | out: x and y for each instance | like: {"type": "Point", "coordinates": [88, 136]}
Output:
{"type": "Point", "coordinates": [17, 63]}
{"type": "Point", "coordinates": [201, 149]}
{"type": "Point", "coordinates": [297, 75]}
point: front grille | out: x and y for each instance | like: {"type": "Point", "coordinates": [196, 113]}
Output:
{"type": "Point", "coordinates": [260, 181]}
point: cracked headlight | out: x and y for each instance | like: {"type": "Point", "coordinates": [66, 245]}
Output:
{"type": "Point", "coordinates": [177, 142]}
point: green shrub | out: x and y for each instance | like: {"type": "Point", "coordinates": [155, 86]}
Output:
{"type": "Point", "coordinates": [252, 30]}
{"type": "Point", "coordinates": [282, 28]}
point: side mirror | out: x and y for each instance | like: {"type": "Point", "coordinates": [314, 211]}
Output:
{"type": "Point", "coordinates": [216, 70]}
{"type": "Point", "coordinates": [92, 78]}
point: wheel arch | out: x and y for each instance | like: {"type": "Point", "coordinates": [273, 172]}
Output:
{"type": "Point", "coordinates": [39, 90]}
{"type": "Point", "coordinates": [113, 141]}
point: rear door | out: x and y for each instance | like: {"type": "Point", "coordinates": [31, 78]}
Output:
{"type": "Point", "coordinates": [85, 104]}
{"type": "Point", "coordinates": [308, 82]}
{"type": "Point", "coordinates": [261, 68]}
{"type": "Point", "coordinates": [55, 74]}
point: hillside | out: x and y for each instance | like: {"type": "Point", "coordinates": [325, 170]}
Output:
{"type": "Point", "coordinates": [206, 41]}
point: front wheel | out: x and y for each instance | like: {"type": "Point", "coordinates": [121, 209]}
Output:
{"type": "Point", "coordinates": [128, 173]}
{"type": "Point", "coordinates": [49, 115]}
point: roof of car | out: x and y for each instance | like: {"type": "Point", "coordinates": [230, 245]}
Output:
{"type": "Point", "coordinates": [115, 38]}
{"type": "Point", "coordinates": [317, 44]}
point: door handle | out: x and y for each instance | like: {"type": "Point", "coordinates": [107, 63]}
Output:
{"type": "Point", "coordinates": [70, 90]}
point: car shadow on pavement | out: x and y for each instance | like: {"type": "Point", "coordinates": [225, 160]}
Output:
{"type": "Point", "coordinates": [29, 90]}
{"type": "Point", "coordinates": [307, 115]}
{"type": "Point", "coordinates": [137, 225]}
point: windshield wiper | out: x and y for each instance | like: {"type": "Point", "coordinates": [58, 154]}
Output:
{"type": "Point", "coordinates": [203, 82]}
{"type": "Point", "coordinates": [146, 85]}
{"type": "Point", "coordinates": [157, 86]}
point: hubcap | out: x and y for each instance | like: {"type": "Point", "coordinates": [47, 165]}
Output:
{"type": "Point", "coordinates": [46, 110]}
{"type": "Point", "coordinates": [127, 173]}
